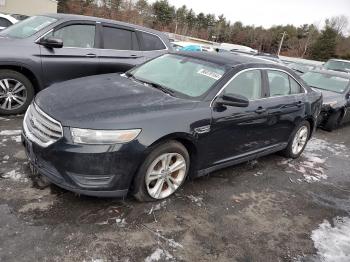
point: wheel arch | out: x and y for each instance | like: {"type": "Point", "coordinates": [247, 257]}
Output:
{"type": "Point", "coordinates": [26, 72]}
{"type": "Point", "coordinates": [312, 123]}
{"type": "Point", "coordinates": [187, 140]}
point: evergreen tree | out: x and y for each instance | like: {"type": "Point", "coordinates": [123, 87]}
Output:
{"type": "Point", "coordinates": [325, 46]}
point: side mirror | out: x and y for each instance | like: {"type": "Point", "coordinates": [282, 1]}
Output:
{"type": "Point", "coordinates": [51, 42]}
{"type": "Point", "coordinates": [232, 100]}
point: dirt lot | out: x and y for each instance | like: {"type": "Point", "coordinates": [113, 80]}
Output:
{"type": "Point", "coordinates": [272, 209]}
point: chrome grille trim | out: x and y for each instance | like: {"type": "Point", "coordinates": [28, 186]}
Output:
{"type": "Point", "coordinates": [40, 127]}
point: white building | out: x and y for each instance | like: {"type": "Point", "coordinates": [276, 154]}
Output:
{"type": "Point", "coordinates": [28, 7]}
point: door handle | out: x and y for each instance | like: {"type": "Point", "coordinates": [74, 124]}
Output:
{"type": "Point", "coordinates": [91, 55]}
{"type": "Point", "coordinates": [260, 110]}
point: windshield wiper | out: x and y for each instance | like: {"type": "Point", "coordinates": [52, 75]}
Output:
{"type": "Point", "coordinates": [150, 83]}
{"type": "Point", "coordinates": [160, 87]}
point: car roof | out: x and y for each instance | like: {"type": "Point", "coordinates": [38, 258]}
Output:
{"type": "Point", "coordinates": [228, 59]}
{"type": "Point", "coordinates": [332, 73]}
{"type": "Point", "coordinates": [70, 17]}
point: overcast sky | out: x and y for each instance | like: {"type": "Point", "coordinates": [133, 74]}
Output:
{"type": "Point", "coordinates": [271, 12]}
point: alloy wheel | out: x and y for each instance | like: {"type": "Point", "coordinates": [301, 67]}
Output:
{"type": "Point", "coordinates": [13, 94]}
{"type": "Point", "coordinates": [300, 139]}
{"type": "Point", "coordinates": [165, 174]}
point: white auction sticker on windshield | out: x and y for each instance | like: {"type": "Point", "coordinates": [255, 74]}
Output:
{"type": "Point", "coordinates": [210, 74]}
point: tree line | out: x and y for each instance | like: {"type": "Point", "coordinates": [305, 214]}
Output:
{"type": "Point", "coordinates": [307, 41]}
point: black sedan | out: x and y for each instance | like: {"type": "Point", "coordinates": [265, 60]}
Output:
{"type": "Point", "coordinates": [179, 115]}
{"type": "Point", "coordinates": [335, 87]}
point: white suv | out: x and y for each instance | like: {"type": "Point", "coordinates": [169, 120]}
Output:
{"type": "Point", "coordinates": [6, 21]}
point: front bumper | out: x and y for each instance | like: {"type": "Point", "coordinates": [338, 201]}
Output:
{"type": "Point", "coordinates": [95, 170]}
{"type": "Point", "coordinates": [324, 115]}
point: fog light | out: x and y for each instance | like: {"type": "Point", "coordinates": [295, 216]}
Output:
{"type": "Point", "coordinates": [92, 181]}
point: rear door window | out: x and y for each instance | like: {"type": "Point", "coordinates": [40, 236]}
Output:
{"type": "Point", "coordinates": [152, 42]}
{"type": "Point", "coordinates": [119, 39]}
{"type": "Point", "coordinates": [281, 84]}
{"type": "Point", "coordinates": [295, 88]}
{"type": "Point", "coordinates": [278, 83]}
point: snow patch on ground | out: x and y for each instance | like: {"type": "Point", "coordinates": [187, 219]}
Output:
{"type": "Point", "coordinates": [320, 145]}
{"type": "Point", "coordinates": [197, 200]}
{"type": "Point", "coordinates": [157, 207]}
{"type": "Point", "coordinates": [159, 255]}
{"type": "Point", "coordinates": [10, 132]}
{"type": "Point", "coordinates": [15, 176]}
{"type": "Point", "coordinates": [333, 241]}
{"type": "Point", "coordinates": [311, 164]}
{"type": "Point", "coordinates": [16, 139]}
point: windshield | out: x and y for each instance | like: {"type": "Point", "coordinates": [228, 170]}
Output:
{"type": "Point", "coordinates": [326, 82]}
{"type": "Point", "coordinates": [337, 65]}
{"type": "Point", "coordinates": [180, 74]}
{"type": "Point", "coordinates": [28, 27]}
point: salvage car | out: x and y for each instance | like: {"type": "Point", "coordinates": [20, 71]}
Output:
{"type": "Point", "coordinates": [180, 115]}
{"type": "Point", "coordinates": [337, 65]}
{"type": "Point", "coordinates": [335, 87]}
{"type": "Point", "coordinates": [47, 49]}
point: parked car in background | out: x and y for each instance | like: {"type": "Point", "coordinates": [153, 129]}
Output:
{"type": "Point", "coordinates": [189, 46]}
{"type": "Point", "coordinates": [335, 87]}
{"type": "Point", "coordinates": [178, 115]}
{"type": "Point", "coordinates": [337, 65]}
{"type": "Point", "coordinates": [301, 68]}
{"type": "Point", "coordinates": [271, 57]}
{"type": "Point", "coordinates": [237, 48]}
{"type": "Point", "coordinates": [43, 50]}
{"type": "Point", "coordinates": [7, 20]}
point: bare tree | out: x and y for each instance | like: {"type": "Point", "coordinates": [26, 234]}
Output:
{"type": "Point", "coordinates": [339, 24]}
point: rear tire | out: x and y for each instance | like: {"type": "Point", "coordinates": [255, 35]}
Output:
{"type": "Point", "coordinates": [162, 173]}
{"type": "Point", "coordinates": [16, 92]}
{"type": "Point", "coordinates": [333, 121]}
{"type": "Point", "coordinates": [298, 141]}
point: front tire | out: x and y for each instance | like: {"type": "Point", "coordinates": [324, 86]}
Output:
{"type": "Point", "coordinates": [16, 92]}
{"type": "Point", "coordinates": [162, 173]}
{"type": "Point", "coordinates": [298, 141]}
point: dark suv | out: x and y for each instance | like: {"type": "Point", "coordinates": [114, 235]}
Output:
{"type": "Point", "coordinates": [47, 49]}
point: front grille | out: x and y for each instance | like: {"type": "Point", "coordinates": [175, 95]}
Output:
{"type": "Point", "coordinates": [41, 128]}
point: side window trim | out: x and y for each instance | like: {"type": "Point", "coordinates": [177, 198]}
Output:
{"type": "Point", "coordinates": [263, 69]}
{"type": "Point", "coordinates": [142, 45]}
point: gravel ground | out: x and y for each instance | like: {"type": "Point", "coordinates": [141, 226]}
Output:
{"type": "Point", "coordinates": [271, 209]}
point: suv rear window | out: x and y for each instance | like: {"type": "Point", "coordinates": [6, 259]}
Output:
{"type": "Point", "coordinates": [119, 39]}
{"type": "Point", "coordinates": [152, 42]}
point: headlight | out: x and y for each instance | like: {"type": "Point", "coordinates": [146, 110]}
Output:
{"type": "Point", "coordinates": [103, 137]}
{"type": "Point", "coordinates": [331, 103]}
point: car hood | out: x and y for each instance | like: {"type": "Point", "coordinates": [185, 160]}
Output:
{"type": "Point", "coordinates": [329, 96]}
{"type": "Point", "coordinates": [106, 101]}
